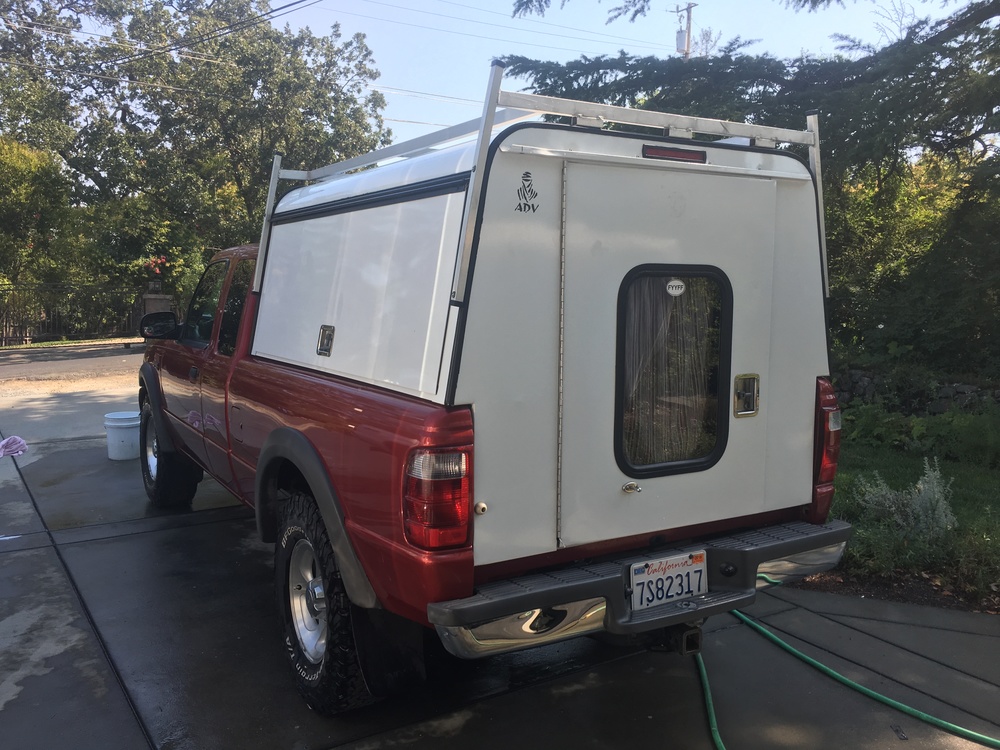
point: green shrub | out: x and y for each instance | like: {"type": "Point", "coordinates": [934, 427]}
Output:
{"type": "Point", "coordinates": [901, 530]}
{"type": "Point", "coordinates": [944, 528]}
{"type": "Point", "coordinates": [963, 436]}
{"type": "Point", "coordinates": [872, 426]}
{"type": "Point", "coordinates": [975, 567]}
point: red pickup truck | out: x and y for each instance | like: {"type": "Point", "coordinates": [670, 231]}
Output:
{"type": "Point", "coordinates": [514, 391]}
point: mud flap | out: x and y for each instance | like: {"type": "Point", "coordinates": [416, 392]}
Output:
{"type": "Point", "coordinates": [390, 650]}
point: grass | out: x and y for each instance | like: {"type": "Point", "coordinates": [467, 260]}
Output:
{"type": "Point", "coordinates": [964, 557]}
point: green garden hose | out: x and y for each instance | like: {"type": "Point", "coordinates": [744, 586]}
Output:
{"type": "Point", "coordinates": [958, 731]}
{"type": "Point", "coordinates": [954, 729]}
{"type": "Point", "coordinates": [709, 705]}
{"type": "Point", "coordinates": [768, 579]}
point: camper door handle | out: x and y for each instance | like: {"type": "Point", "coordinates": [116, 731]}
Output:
{"type": "Point", "coordinates": [193, 374]}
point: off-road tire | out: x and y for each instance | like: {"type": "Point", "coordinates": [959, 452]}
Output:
{"type": "Point", "coordinates": [320, 644]}
{"type": "Point", "coordinates": [170, 479]}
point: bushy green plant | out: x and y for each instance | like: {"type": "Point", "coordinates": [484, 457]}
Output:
{"type": "Point", "coordinates": [908, 530]}
{"type": "Point", "coordinates": [963, 436]}
{"type": "Point", "coordinates": [872, 426]}
{"type": "Point", "coordinates": [971, 437]}
{"type": "Point", "coordinates": [964, 559]}
{"type": "Point", "coordinates": [922, 511]}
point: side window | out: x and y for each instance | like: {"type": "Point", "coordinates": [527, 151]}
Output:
{"type": "Point", "coordinates": [197, 329]}
{"type": "Point", "coordinates": [232, 310]}
{"type": "Point", "coordinates": [674, 326]}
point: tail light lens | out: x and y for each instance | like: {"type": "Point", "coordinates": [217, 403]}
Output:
{"type": "Point", "coordinates": [827, 450]}
{"type": "Point", "coordinates": [437, 497]}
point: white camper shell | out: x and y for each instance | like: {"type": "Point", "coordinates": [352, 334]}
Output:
{"type": "Point", "coordinates": [636, 318]}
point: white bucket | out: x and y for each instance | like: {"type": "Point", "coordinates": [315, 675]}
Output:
{"type": "Point", "coordinates": [123, 435]}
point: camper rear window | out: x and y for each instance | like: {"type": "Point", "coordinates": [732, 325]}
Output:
{"type": "Point", "coordinates": [673, 328]}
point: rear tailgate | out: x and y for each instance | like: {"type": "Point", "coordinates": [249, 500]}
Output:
{"type": "Point", "coordinates": [668, 297]}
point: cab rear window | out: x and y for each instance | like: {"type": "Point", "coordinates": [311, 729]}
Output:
{"type": "Point", "coordinates": [674, 327]}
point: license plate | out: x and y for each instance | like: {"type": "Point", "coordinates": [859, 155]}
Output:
{"type": "Point", "coordinates": [668, 579]}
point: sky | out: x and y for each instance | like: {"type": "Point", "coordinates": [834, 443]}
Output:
{"type": "Point", "coordinates": [434, 55]}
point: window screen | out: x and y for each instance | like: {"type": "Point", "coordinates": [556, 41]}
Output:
{"type": "Point", "coordinates": [673, 328]}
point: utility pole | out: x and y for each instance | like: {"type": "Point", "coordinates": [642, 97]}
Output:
{"type": "Point", "coordinates": [684, 34]}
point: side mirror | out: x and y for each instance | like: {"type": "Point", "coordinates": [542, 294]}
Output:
{"type": "Point", "coordinates": [159, 325]}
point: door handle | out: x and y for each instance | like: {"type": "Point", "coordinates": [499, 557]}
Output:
{"type": "Point", "coordinates": [746, 395]}
{"type": "Point", "coordinates": [193, 374]}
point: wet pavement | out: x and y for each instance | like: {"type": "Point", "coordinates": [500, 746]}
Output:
{"type": "Point", "coordinates": [124, 626]}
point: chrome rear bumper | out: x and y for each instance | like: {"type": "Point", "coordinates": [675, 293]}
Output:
{"type": "Point", "coordinates": [804, 564]}
{"type": "Point", "coordinates": [548, 607]}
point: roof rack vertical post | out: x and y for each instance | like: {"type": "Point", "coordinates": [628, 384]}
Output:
{"type": "Point", "coordinates": [265, 232]}
{"type": "Point", "coordinates": [812, 125]}
{"type": "Point", "coordinates": [471, 214]}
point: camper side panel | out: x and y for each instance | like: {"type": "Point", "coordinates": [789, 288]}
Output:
{"type": "Point", "coordinates": [510, 358]}
{"type": "Point", "coordinates": [375, 282]}
{"type": "Point", "coordinates": [797, 315]}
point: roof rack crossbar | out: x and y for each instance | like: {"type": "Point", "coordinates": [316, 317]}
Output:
{"type": "Point", "coordinates": [413, 147]}
{"type": "Point", "coordinates": [519, 106]}
{"type": "Point", "coordinates": [551, 105]}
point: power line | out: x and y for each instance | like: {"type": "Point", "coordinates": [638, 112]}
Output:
{"type": "Point", "coordinates": [555, 25]}
{"type": "Point", "coordinates": [424, 95]}
{"type": "Point", "coordinates": [65, 32]}
{"type": "Point", "coordinates": [449, 31]}
{"type": "Point", "coordinates": [167, 87]}
{"type": "Point", "coordinates": [372, 87]}
{"type": "Point", "coordinates": [415, 122]}
{"type": "Point", "coordinates": [505, 26]}
{"type": "Point", "coordinates": [232, 28]}
{"type": "Point", "coordinates": [220, 32]}
{"type": "Point", "coordinates": [78, 74]}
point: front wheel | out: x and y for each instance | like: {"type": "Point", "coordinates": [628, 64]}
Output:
{"type": "Point", "coordinates": [170, 479]}
{"type": "Point", "coordinates": [315, 612]}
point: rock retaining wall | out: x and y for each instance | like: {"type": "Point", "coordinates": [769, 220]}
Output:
{"type": "Point", "coordinates": [858, 386]}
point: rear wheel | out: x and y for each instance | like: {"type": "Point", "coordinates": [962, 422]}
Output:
{"type": "Point", "coordinates": [170, 479]}
{"type": "Point", "coordinates": [315, 612]}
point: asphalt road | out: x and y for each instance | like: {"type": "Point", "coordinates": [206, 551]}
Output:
{"type": "Point", "coordinates": [72, 361]}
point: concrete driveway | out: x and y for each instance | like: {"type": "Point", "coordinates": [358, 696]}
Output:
{"type": "Point", "coordinates": [122, 626]}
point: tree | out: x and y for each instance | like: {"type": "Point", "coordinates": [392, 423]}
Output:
{"type": "Point", "coordinates": [911, 169]}
{"type": "Point", "coordinates": [33, 195]}
{"type": "Point", "coordinates": [174, 115]}
{"type": "Point", "coordinates": [636, 8]}
{"type": "Point", "coordinates": [939, 305]}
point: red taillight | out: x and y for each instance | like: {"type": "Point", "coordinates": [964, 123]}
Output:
{"type": "Point", "coordinates": [437, 497]}
{"type": "Point", "coordinates": [827, 450]}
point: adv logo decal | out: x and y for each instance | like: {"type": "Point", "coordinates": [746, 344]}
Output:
{"type": "Point", "coordinates": [526, 195]}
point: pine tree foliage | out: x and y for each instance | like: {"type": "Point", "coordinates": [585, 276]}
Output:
{"type": "Point", "coordinates": [911, 169]}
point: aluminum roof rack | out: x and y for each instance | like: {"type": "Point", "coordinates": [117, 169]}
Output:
{"type": "Point", "coordinates": [507, 107]}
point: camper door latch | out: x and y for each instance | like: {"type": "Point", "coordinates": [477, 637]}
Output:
{"type": "Point", "coordinates": [324, 345]}
{"type": "Point", "coordinates": [746, 395]}
{"type": "Point", "coordinates": [630, 487]}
